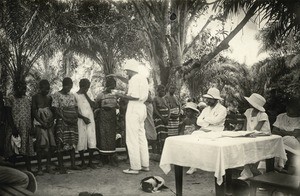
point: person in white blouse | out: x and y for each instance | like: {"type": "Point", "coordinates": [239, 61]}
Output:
{"type": "Point", "coordinates": [212, 117]}
{"type": "Point", "coordinates": [287, 125]}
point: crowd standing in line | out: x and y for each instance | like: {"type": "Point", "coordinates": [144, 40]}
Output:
{"type": "Point", "coordinates": [67, 122]}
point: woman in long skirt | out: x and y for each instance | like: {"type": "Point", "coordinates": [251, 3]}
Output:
{"type": "Point", "coordinates": [106, 122]}
{"type": "Point", "coordinates": [66, 110]}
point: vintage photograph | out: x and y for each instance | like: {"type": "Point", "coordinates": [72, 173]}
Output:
{"type": "Point", "coordinates": [140, 97]}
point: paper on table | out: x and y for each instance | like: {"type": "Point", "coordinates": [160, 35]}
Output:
{"type": "Point", "coordinates": [243, 134]}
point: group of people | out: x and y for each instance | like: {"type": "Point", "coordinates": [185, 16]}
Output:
{"type": "Point", "coordinates": [73, 122]}
{"type": "Point", "coordinates": [213, 117]}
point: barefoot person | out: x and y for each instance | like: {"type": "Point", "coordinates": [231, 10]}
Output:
{"type": "Point", "coordinates": [136, 114]}
{"type": "Point", "coordinates": [107, 122]}
{"type": "Point", "coordinates": [43, 124]}
{"type": "Point", "coordinates": [86, 123]}
{"type": "Point", "coordinates": [22, 122]}
{"type": "Point", "coordinates": [66, 111]}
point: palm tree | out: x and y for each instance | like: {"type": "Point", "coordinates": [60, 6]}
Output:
{"type": "Point", "coordinates": [26, 34]}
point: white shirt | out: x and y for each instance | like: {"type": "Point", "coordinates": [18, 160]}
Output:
{"type": "Point", "coordinates": [138, 87]}
{"type": "Point", "coordinates": [213, 118]}
{"type": "Point", "coordinates": [284, 122]}
{"type": "Point", "coordinates": [252, 121]}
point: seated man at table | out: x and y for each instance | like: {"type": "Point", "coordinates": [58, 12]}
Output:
{"type": "Point", "coordinates": [287, 125]}
{"type": "Point", "coordinates": [212, 118]}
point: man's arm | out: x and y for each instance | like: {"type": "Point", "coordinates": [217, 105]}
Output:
{"type": "Point", "coordinates": [92, 103]}
{"type": "Point", "coordinates": [200, 119]}
{"type": "Point", "coordinates": [216, 118]}
{"type": "Point", "coordinates": [122, 78]}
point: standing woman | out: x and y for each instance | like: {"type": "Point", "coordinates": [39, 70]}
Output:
{"type": "Point", "coordinates": [151, 134]}
{"type": "Point", "coordinates": [106, 121]}
{"type": "Point", "coordinates": [66, 111]}
{"type": "Point", "coordinates": [21, 114]}
{"type": "Point", "coordinates": [175, 108]}
{"type": "Point", "coordinates": [161, 114]}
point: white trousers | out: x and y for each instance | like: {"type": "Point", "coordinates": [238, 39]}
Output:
{"type": "Point", "coordinates": [136, 135]}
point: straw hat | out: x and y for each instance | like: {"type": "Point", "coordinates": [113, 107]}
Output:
{"type": "Point", "coordinates": [213, 93]}
{"type": "Point", "coordinates": [192, 106]}
{"type": "Point", "coordinates": [257, 101]}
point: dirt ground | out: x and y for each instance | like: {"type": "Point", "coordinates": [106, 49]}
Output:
{"type": "Point", "coordinates": [110, 181]}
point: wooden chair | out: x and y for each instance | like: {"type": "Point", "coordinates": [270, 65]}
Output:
{"type": "Point", "coordinates": [276, 182]}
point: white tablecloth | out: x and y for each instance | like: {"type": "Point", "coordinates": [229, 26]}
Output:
{"type": "Point", "coordinates": [214, 153]}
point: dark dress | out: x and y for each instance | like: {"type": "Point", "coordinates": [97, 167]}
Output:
{"type": "Point", "coordinates": [106, 122]}
{"type": "Point", "coordinates": [21, 113]}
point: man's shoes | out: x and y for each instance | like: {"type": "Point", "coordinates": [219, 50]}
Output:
{"type": "Point", "coordinates": [145, 169]}
{"type": "Point", "coordinates": [191, 171]}
{"type": "Point", "coordinates": [130, 171]}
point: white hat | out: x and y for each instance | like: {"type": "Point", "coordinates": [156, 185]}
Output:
{"type": "Point", "coordinates": [257, 101]}
{"type": "Point", "coordinates": [192, 106]}
{"type": "Point", "coordinates": [213, 93]}
{"type": "Point", "coordinates": [145, 71]}
{"type": "Point", "coordinates": [132, 65]}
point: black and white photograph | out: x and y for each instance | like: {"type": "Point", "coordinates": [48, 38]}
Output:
{"type": "Point", "coordinates": [141, 97]}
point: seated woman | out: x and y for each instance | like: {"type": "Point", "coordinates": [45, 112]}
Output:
{"type": "Point", "coordinates": [256, 119]}
{"type": "Point", "coordinates": [287, 125]}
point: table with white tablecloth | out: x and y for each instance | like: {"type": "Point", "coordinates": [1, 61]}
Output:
{"type": "Point", "coordinates": [216, 152]}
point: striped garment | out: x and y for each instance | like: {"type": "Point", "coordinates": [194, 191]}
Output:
{"type": "Point", "coordinates": [173, 123]}
{"type": "Point", "coordinates": [67, 132]}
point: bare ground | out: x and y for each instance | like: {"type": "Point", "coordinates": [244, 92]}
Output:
{"type": "Point", "coordinates": [110, 181]}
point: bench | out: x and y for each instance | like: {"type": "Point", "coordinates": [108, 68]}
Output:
{"type": "Point", "coordinates": [275, 182]}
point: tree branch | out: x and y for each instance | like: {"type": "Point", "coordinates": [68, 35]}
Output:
{"type": "Point", "coordinates": [223, 45]}
{"type": "Point", "coordinates": [196, 38]}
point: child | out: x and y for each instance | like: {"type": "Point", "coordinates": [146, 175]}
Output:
{"type": "Point", "coordinates": [256, 119]}
{"type": "Point", "coordinates": [43, 124]}
{"type": "Point", "coordinates": [189, 124]}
